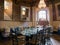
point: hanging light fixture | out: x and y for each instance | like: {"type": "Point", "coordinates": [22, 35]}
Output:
{"type": "Point", "coordinates": [41, 4]}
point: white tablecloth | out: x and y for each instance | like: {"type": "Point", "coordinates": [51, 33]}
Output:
{"type": "Point", "coordinates": [30, 31]}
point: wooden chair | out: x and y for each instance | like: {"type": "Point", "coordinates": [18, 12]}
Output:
{"type": "Point", "coordinates": [15, 38]}
{"type": "Point", "coordinates": [47, 36]}
{"type": "Point", "coordinates": [43, 36]}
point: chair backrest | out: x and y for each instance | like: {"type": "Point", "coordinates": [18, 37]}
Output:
{"type": "Point", "coordinates": [12, 31]}
{"type": "Point", "coordinates": [48, 31]}
{"type": "Point", "coordinates": [17, 30]}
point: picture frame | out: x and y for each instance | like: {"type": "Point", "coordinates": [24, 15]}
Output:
{"type": "Point", "coordinates": [25, 13]}
{"type": "Point", "coordinates": [57, 6]}
{"type": "Point", "coordinates": [7, 10]}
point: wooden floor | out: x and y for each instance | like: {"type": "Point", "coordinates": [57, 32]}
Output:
{"type": "Point", "coordinates": [55, 40]}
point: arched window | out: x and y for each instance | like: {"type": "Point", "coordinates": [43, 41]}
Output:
{"type": "Point", "coordinates": [43, 14]}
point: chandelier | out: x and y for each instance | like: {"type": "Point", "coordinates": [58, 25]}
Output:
{"type": "Point", "coordinates": [41, 4]}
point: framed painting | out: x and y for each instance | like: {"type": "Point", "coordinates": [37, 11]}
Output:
{"type": "Point", "coordinates": [7, 10]}
{"type": "Point", "coordinates": [25, 13]}
{"type": "Point", "coordinates": [57, 5]}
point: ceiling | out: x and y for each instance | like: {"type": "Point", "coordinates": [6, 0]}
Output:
{"type": "Point", "coordinates": [32, 2]}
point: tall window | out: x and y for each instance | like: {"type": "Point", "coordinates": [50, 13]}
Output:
{"type": "Point", "coordinates": [42, 15]}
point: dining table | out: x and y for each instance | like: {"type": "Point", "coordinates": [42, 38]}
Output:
{"type": "Point", "coordinates": [29, 32]}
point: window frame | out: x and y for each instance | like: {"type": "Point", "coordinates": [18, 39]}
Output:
{"type": "Point", "coordinates": [38, 14]}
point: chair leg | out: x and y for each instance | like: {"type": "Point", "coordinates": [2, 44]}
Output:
{"type": "Point", "coordinates": [14, 41]}
{"type": "Point", "coordinates": [48, 41]}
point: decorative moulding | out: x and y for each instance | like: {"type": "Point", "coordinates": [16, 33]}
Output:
{"type": "Point", "coordinates": [57, 6]}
